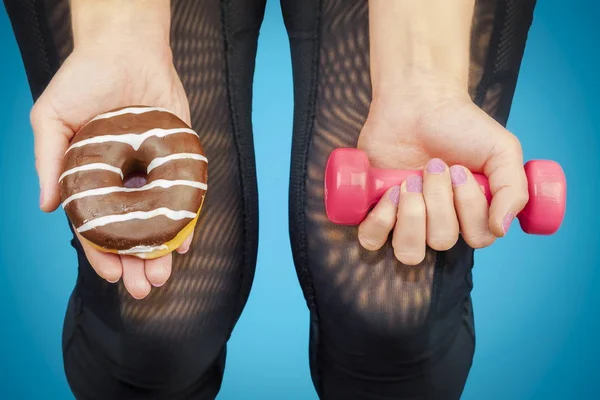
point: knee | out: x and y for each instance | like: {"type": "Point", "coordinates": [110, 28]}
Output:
{"type": "Point", "coordinates": [142, 358]}
{"type": "Point", "coordinates": [139, 366]}
{"type": "Point", "coordinates": [149, 361]}
{"type": "Point", "coordinates": [402, 325]}
{"type": "Point", "coordinates": [396, 328]}
{"type": "Point", "coordinates": [393, 310]}
{"type": "Point", "coordinates": [384, 341]}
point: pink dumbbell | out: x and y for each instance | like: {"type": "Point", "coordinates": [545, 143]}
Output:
{"type": "Point", "coordinates": [352, 187]}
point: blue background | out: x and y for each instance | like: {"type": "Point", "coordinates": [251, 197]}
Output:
{"type": "Point", "coordinates": [536, 298]}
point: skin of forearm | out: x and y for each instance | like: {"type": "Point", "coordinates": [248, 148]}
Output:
{"type": "Point", "coordinates": [416, 40]}
{"type": "Point", "coordinates": [121, 22]}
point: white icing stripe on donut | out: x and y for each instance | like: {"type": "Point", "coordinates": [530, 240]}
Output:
{"type": "Point", "coordinates": [129, 110]}
{"type": "Point", "coordinates": [90, 167]}
{"type": "Point", "coordinates": [159, 183]}
{"type": "Point", "coordinates": [158, 161]}
{"type": "Point", "coordinates": [138, 250]}
{"type": "Point", "coordinates": [135, 140]}
{"type": "Point", "coordinates": [110, 219]}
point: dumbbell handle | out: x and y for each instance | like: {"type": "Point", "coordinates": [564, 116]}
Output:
{"type": "Point", "coordinates": [383, 179]}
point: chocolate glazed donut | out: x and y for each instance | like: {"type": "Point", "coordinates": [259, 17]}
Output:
{"type": "Point", "coordinates": [134, 181]}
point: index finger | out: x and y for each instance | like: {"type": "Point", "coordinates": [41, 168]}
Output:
{"type": "Point", "coordinates": [508, 186]}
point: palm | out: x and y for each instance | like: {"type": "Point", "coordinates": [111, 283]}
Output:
{"type": "Point", "coordinates": [87, 85]}
{"type": "Point", "coordinates": [409, 139]}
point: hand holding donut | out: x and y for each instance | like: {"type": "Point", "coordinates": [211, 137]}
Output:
{"type": "Point", "coordinates": [446, 135]}
{"type": "Point", "coordinates": [99, 76]}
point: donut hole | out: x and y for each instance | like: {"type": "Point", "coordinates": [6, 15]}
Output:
{"type": "Point", "coordinates": [135, 180]}
{"type": "Point", "coordinates": [134, 175]}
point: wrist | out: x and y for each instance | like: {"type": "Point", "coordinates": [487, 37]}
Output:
{"type": "Point", "coordinates": [414, 83]}
{"type": "Point", "coordinates": [422, 45]}
{"type": "Point", "coordinates": [418, 89]}
{"type": "Point", "coordinates": [121, 23]}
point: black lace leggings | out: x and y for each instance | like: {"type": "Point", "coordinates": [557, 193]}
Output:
{"type": "Point", "coordinates": [378, 329]}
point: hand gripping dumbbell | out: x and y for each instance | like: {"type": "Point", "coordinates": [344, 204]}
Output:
{"type": "Point", "coordinates": [352, 187]}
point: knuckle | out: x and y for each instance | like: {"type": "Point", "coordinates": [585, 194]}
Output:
{"type": "Point", "coordinates": [445, 238]}
{"type": "Point", "coordinates": [413, 210]}
{"type": "Point", "coordinates": [515, 144]}
{"type": "Point", "coordinates": [367, 236]}
{"type": "Point", "coordinates": [479, 239]}
{"type": "Point", "coordinates": [369, 243]}
{"type": "Point", "coordinates": [437, 191]}
{"type": "Point", "coordinates": [442, 242]}
{"type": "Point", "coordinates": [410, 258]}
{"type": "Point", "coordinates": [379, 221]}
{"type": "Point", "coordinates": [158, 274]}
{"type": "Point", "coordinates": [35, 115]}
{"type": "Point", "coordinates": [511, 144]}
{"type": "Point", "coordinates": [471, 199]}
{"type": "Point", "coordinates": [443, 232]}
{"type": "Point", "coordinates": [373, 231]}
{"type": "Point", "coordinates": [521, 198]}
{"type": "Point", "coordinates": [439, 199]}
{"type": "Point", "coordinates": [408, 250]}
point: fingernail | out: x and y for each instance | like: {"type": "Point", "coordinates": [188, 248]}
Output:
{"type": "Point", "coordinates": [182, 250]}
{"type": "Point", "coordinates": [395, 195]}
{"type": "Point", "coordinates": [115, 281]}
{"type": "Point", "coordinates": [507, 221]}
{"type": "Point", "coordinates": [436, 166]}
{"type": "Point", "coordinates": [41, 196]}
{"type": "Point", "coordinates": [414, 184]}
{"type": "Point", "coordinates": [158, 285]}
{"type": "Point", "coordinates": [458, 176]}
{"type": "Point", "coordinates": [185, 246]}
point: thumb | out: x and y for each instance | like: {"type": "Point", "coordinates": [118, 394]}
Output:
{"type": "Point", "coordinates": [508, 183]}
{"type": "Point", "coordinates": [51, 139]}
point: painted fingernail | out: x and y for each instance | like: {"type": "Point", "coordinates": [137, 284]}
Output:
{"type": "Point", "coordinates": [414, 184]}
{"type": "Point", "coordinates": [458, 176]}
{"type": "Point", "coordinates": [395, 195]}
{"type": "Point", "coordinates": [436, 166]}
{"type": "Point", "coordinates": [507, 221]}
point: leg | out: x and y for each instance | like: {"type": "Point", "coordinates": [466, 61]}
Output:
{"type": "Point", "coordinates": [380, 330]}
{"type": "Point", "coordinates": [172, 344]}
